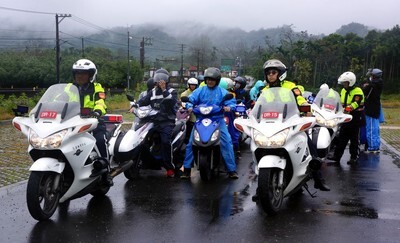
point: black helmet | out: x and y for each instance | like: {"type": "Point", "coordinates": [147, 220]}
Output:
{"type": "Point", "coordinates": [213, 73]}
{"type": "Point", "coordinates": [277, 65]}
{"type": "Point", "coordinates": [374, 72]}
{"type": "Point", "coordinates": [241, 81]}
{"type": "Point", "coordinates": [150, 83]}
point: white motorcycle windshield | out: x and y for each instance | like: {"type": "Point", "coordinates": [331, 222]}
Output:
{"type": "Point", "coordinates": [328, 99]}
{"type": "Point", "coordinates": [60, 101]}
{"type": "Point", "coordinates": [275, 104]}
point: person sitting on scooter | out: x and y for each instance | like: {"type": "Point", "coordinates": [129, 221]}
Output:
{"type": "Point", "coordinates": [164, 99]}
{"type": "Point", "coordinates": [212, 94]}
{"type": "Point", "coordinates": [275, 73]}
{"type": "Point", "coordinates": [92, 96]}
{"type": "Point", "coordinates": [192, 84]}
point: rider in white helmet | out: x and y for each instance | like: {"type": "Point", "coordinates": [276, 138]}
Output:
{"type": "Point", "coordinates": [192, 84]}
{"type": "Point", "coordinates": [352, 98]}
{"type": "Point", "coordinates": [93, 96]}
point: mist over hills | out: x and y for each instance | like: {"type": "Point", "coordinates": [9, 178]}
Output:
{"type": "Point", "coordinates": [166, 41]}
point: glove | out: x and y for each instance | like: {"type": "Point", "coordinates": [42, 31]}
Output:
{"type": "Point", "coordinates": [95, 114]}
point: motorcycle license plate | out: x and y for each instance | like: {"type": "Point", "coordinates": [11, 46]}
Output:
{"type": "Point", "coordinates": [270, 115]}
{"type": "Point", "coordinates": [48, 114]}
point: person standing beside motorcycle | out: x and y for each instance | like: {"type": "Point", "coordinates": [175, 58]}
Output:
{"type": "Point", "coordinates": [373, 90]}
{"type": "Point", "coordinates": [275, 73]}
{"type": "Point", "coordinates": [352, 99]}
{"type": "Point", "coordinates": [92, 96]}
{"type": "Point", "coordinates": [212, 94]}
{"type": "Point", "coordinates": [192, 84]}
{"type": "Point", "coordinates": [164, 99]}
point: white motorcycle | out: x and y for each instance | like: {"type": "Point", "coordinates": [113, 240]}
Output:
{"type": "Point", "coordinates": [279, 146]}
{"type": "Point", "coordinates": [143, 144]}
{"type": "Point", "coordinates": [67, 162]}
{"type": "Point", "coordinates": [328, 112]}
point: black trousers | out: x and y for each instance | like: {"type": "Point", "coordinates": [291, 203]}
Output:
{"type": "Point", "coordinates": [165, 131]}
{"type": "Point", "coordinates": [348, 132]}
{"type": "Point", "coordinates": [100, 134]}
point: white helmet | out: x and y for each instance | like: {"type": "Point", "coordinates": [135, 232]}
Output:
{"type": "Point", "coordinates": [192, 81]}
{"type": "Point", "coordinates": [85, 65]}
{"type": "Point", "coordinates": [347, 77]}
{"type": "Point", "coordinates": [324, 87]}
{"type": "Point", "coordinates": [277, 65]}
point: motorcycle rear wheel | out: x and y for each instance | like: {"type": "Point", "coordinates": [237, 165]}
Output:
{"type": "Point", "coordinates": [270, 194]}
{"type": "Point", "coordinates": [42, 201]}
{"type": "Point", "coordinates": [206, 171]}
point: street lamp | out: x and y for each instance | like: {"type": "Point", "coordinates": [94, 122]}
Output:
{"type": "Point", "coordinates": [128, 76]}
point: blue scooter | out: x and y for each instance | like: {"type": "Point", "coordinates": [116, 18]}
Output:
{"type": "Point", "coordinates": [206, 138]}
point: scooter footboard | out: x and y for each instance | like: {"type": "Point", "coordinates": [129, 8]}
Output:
{"type": "Point", "coordinates": [272, 161]}
{"type": "Point", "coordinates": [48, 164]}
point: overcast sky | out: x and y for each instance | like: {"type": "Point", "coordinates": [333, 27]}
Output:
{"type": "Point", "coordinates": [313, 16]}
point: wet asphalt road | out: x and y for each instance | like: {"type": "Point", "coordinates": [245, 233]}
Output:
{"type": "Point", "coordinates": [363, 206]}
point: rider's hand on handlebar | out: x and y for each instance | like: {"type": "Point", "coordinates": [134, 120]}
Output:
{"type": "Point", "coordinates": [190, 110]}
{"type": "Point", "coordinates": [95, 114]}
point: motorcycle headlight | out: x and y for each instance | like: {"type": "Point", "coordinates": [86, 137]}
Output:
{"type": "Point", "coordinates": [205, 110]}
{"type": "Point", "coordinates": [51, 142]}
{"type": "Point", "coordinates": [326, 123]}
{"type": "Point", "coordinates": [196, 136]}
{"type": "Point", "coordinates": [215, 135]}
{"type": "Point", "coordinates": [276, 140]}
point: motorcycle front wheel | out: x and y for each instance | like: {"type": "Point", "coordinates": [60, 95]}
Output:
{"type": "Point", "coordinates": [205, 165]}
{"type": "Point", "coordinates": [133, 172]}
{"type": "Point", "coordinates": [270, 193]}
{"type": "Point", "coordinates": [41, 196]}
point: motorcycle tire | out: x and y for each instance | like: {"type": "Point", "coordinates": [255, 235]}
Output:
{"type": "Point", "coordinates": [206, 171]}
{"type": "Point", "coordinates": [270, 194]}
{"type": "Point", "coordinates": [133, 173]}
{"type": "Point", "coordinates": [41, 199]}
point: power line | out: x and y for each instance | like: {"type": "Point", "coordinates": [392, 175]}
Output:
{"type": "Point", "coordinates": [25, 11]}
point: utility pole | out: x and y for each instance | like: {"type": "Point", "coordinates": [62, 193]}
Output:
{"type": "Point", "coordinates": [58, 58]}
{"type": "Point", "coordinates": [198, 62]}
{"type": "Point", "coordinates": [83, 49]}
{"type": "Point", "coordinates": [182, 46]}
{"type": "Point", "coordinates": [146, 41]}
{"type": "Point", "coordinates": [128, 76]}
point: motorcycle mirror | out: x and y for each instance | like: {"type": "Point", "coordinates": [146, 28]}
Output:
{"type": "Point", "coordinates": [85, 111]}
{"type": "Point", "coordinates": [227, 97]}
{"type": "Point", "coordinates": [130, 97]}
{"type": "Point", "coordinates": [305, 108]}
{"type": "Point", "coordinates": [185, 99]}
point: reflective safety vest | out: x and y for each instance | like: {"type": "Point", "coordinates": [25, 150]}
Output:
{"type": "Point", "coordinates": [353, 97]}
{"type": "Point", "coordinates": [294, 88]}
{"type": "Point", "coordinates": [92, 97]}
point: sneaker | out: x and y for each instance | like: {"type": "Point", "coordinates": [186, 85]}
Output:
{"type": "Point", "coordinates": [233, 175]}
{"type": "Point", "coordinates": [186, 173]}
{"type": "Point", "coordinates": [170, 173]}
